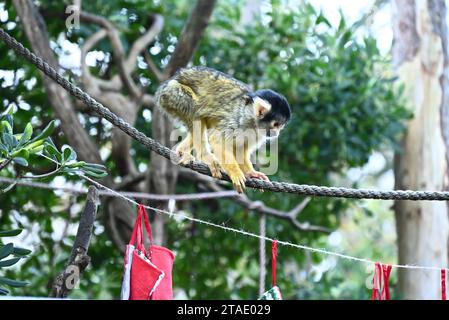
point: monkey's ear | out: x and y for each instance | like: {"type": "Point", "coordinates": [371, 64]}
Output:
{"type": "Point", "coordinates": [261, 107]}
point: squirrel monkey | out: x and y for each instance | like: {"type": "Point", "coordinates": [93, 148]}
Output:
{"type": "Point", "coordinates": [226, 121]}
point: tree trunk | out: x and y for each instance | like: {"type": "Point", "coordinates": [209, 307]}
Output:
{"type": "Point", "coordinates": [163, 173]}
{"type": "Point", "coordinates": [420, 61]}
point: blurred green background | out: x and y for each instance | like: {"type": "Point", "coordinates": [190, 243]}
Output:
{"type": "Point", "coordinates": [347, 117]}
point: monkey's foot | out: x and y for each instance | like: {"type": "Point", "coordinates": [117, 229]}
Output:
{"type": "Point", "coordinates": [257, 175]}
{"type": "Point", "coordinates": [184, 157]}
{"type": "Point", "coordinates": [238, 180]}
{"type": "Point", "coordinates": [211, 161]}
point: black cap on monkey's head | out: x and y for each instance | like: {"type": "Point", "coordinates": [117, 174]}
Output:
{"type": "Point", "coordinates": [272, 111]}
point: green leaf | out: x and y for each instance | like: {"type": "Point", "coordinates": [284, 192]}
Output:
{"type": "Point", "coordinates": [5, 126]}
{"type": "Point", "coordinates": [23, 153]}
{"type": "Point", "coordinates": [95, 174]}
{"type": "Point", "coordinates": [20, 161]}
{"type": "Point", "coordinates": [68, 154]}
{"type": "Point", "coordinates": [35, 144]}
{"type": "Point", "coordinates": [345, 38]}
{"type": "Point", "coordinates": [77, 164]}
{"type": "Point", "coordinates": [27, 133]}
{"type": "Point", "coordinates": [71, 171]}
{"type": "Point", "coordinates": [10, 233]}
{"type": "Point", "coordinates": [9, 114]}
{"type": "Point", "coordinates": [322, 19]}
{"type": "Point", "coordinates": [21, 252]}
{"type": "Point", "coordinates": [6, 250]}
{"type": "Point", "coordinates": [3, 292]}
{"type": "Point", "coordinates": [95, 166]}
{"type": "Point", "coordinates": [9, 140]}
{"type": "Point", "coordinates": [3, 148]}
{"type": "Point", "coordinates": [95, 170]}
{"type": "Point", "coordinates": [8, 117]}
{"type": "Point", "coordinates": [13, 283]}
{"type": "Point", "coordinates": [48, 130]}
{"type": "Point", "coordinates": [9, 262]}
{"type": "Point", "coordinates": [53, 152]}
{"type": "Point", "coordinates": [37, 149]}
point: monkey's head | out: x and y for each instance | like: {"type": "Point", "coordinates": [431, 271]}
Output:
{"type": "Point", "coordinates": [272, 111]}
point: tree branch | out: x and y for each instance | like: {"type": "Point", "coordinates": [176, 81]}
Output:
{"type": "Point", "coordinates": [79, 260]}
{"type": "Point", "coordinates": [125, 65]}
{"type": "Point", "coordinates": [5, 163]}
{"type": "Point", "coordinates": [153, 68]}
{"type": "Point", "coordinates": [290, 216]}
{"type": "Point", "coordinates": [88, 79]}
{"type": "Point", "coordinates": [367, 17]}
{"type": "Point", "coordinates": [257, 206]}
{"type": "Point", "coordinates": [117, 48]}
{"type": "Point", "coordinates": [131, 181]}
{"type": "Point", "coordinates": [116, 102]}
{"type": "Point", "coordinates": [129, 64]}
{"type": "Point", "coordinates": [143, 42]}
{"type": "Point", "coordinates": [190, 35]}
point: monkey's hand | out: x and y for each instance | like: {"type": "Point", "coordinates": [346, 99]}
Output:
{"type": "Point", "coordinates": [184, 157]}
{"type": "Point", "coordinates": [256, 175]}
{"type": "Point", "coordinates": [212, 163]}
{"type": "Point", "coordinates": [184, 150]}
{"type": "Point", "coordinates": [238, 179]}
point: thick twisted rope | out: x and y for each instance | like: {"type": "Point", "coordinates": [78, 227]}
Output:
{"type": "Point", "coordinates": [155, 146]}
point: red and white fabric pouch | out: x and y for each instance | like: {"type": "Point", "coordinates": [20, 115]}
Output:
{"type": "Point", "coordinates": [147, 273]}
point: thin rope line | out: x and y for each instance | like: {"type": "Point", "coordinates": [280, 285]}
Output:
{"type": "Point", "coordinates": [153, 145]}
{"type": "Point", "coordinates": [265, 238]}
{"type": "Point", "coordinates": [243, 232]}
{"type": "Point", "coordinates": [137, 195]}
{"type": "Point", "coordinates": [262, 253]}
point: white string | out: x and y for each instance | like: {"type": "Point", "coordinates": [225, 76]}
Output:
{"type": "Point", "coordinates": [260, 237]}
{"type": "Point", "coordinates": [262, 254]}
{"type": "Point", "coordinates": [137, 195]}
{"type": "Point", "coordinates": [249, 234]}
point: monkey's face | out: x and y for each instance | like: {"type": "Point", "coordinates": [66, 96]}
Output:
{"type": "Point", "coordinates": [272, 112]}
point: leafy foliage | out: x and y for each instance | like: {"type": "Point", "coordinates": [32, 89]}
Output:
{"type": "Point", "coordinates": [9, 256]}
{"type": "Point", "coordinates": [344, 108]}
{"type": "Point", "coordinates": [344, 105]}
{"type": "Point", "coordinates": [18, 148]}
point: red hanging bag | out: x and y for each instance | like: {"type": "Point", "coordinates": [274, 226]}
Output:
{"type": "Point", "coordinates": [148, 273]}
{"type": "Point", "coordinates": [381, 288]}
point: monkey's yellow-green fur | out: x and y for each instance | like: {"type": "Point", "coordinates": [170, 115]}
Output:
{"type": "Point", "coordinates": [213, 106]}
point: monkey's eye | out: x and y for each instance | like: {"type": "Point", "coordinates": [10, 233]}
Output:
{"type": "Point", "coordinates": [276, 124]}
